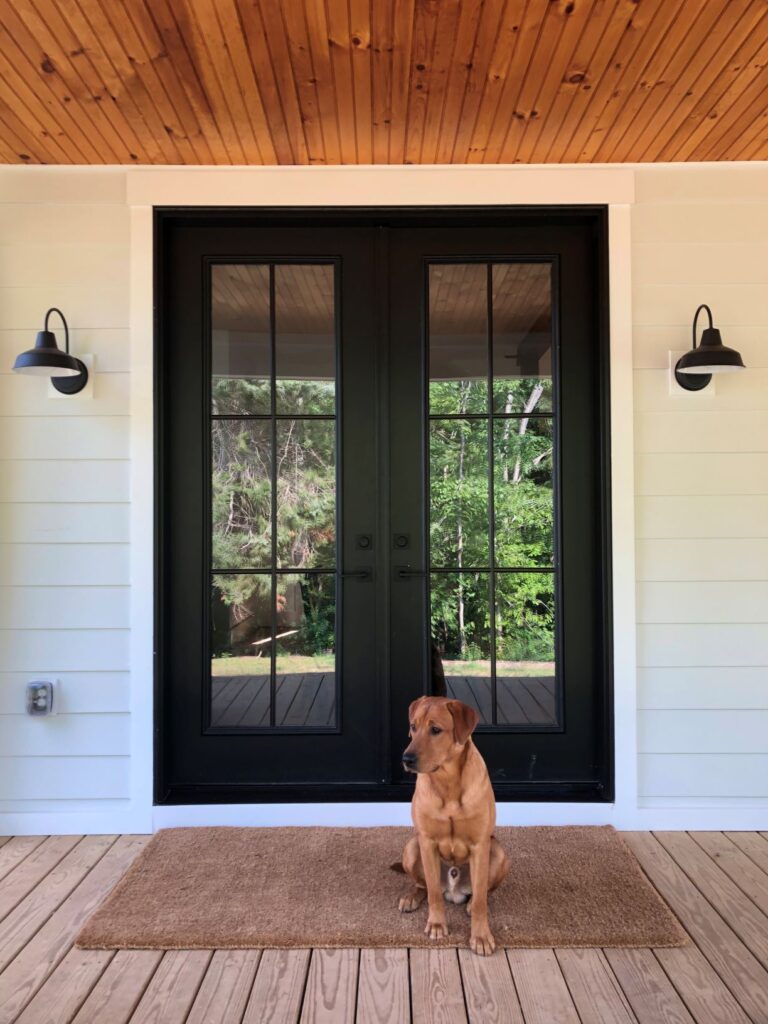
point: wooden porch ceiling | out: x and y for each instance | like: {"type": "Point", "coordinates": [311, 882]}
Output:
{"type": "Point", "coordinates": [382, 81]}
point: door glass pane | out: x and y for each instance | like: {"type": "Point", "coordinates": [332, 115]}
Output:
{"type": "Point", "coordinates": [525, 648]}
{"type": "Point", "coordinates": [306, 494]}
{"type": "Point", "coordinates": [273, 497]}
{"type": "Point", "coordinates": [306, 650]}
{"type": "Point", "coordinates": [461, 637]}
{"type": "Point", "coordinates": [240, 339]}
{"type": "Point", "coordinates": [458, 493]}
{"type": "Point", "coordinates": [493, 631]}
{"type": "Point", "coordinates": [305, 340]}
{"type": "Point", "coordinates": [241, 630]}
{"type": "Point", "coordinates": [241, 492]}
{"type": "Point", "coordinates": [522, 457]}
{"type": "Point", "coordinates": [522, 337]}
{"type": "Point", "coordinates": [458, 337]}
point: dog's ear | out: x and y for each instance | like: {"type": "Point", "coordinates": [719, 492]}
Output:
{"type": "Point", "coordinates": [465, 719]}
{"type": "Point", "coordinates": [413, 705]}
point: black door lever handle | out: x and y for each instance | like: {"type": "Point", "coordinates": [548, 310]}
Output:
{"type": "Point", "coordinates": [358, 574]}
{"type": "Point", "coordinates": [405, 572]}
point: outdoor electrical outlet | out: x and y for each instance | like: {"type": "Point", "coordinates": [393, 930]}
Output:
{"type": "Point", "coordinates": [40, 697]}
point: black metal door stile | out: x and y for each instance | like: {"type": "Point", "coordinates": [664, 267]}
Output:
{"type": "Point", "coordinates": [381, 262]}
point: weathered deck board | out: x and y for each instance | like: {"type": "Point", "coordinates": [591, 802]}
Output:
{"type": "Point", "coordinates": [716, 882]}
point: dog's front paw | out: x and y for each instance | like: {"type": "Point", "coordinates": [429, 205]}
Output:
{"type": "Point", "coordinates": [410, 902]}
{"type": "Point", "coordinates": [482, 942]}
{"type": "Point", "coordinates": [437, 928]}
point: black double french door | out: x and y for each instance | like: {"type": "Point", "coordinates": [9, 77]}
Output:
{"type": "Point", "coordinates": [381, 472]}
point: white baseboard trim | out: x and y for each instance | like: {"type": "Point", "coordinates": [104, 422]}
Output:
{"type": "Point", "coordinates": [63, 823]}
{"type": "Point", "coordinates": [370, 814]}
{"type": "Point", "coordinates": [736, 819]}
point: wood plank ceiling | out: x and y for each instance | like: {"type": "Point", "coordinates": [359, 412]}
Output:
{"type": "Point", "coordinates": [382, 81]}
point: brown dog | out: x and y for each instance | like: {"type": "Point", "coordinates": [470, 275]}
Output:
{"type": "Point", "coordinates": [454, 813]}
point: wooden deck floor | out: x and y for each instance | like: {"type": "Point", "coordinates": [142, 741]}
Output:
{"type": "Point", "coordinates": [716, 882]}
{"type": "Point", "coordinates": [242, 702]}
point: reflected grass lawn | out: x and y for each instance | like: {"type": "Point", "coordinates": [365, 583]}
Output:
{"type": "Point", "coordinates": [503, 668]}
{"type": "Point", "coordinates": [295, 664]}
{"type": "Point", "coordinates": [286, 665]}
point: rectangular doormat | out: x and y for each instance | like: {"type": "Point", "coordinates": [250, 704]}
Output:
{"type": "Point", "coordinates": [245, 888]}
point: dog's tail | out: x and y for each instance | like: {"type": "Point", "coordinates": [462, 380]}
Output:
{"type": "Point", "coordinates": [398, 867]}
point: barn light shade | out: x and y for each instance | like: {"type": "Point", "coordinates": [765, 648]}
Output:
{"type": "Point", "coordinates": [68, 374]}
{"type": "Point", "coordinates": [694, 370]}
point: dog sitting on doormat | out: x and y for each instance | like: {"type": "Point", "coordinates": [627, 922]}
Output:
{"type": "Point", "coordinates": [454, 854]}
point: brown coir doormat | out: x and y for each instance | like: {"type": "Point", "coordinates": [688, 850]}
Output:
{"type": "Point", "coordinates": [240, 888]}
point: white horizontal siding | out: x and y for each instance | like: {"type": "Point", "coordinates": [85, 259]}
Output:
{"type": "Point", "coordinates": [703, 602]}
{"type": "Point", "coordinates": [696, 473]}
{"type": "Point", "coordinates": [68, 522]}
{"type": "Point", "coordinates": [50, 650]}
{"type": "Point", "coordinates": [708, 731]}
{"type": "Point", "coordinates": [48, 480]}
{"type": "Point", "coordinates": [61, 437]}
{"type": "Point", "coordinates": [64, 735]}
{"type": "Point", "coordinates": [64, 607]}
{"type": "Point", "coordinates": [721, 558]}
{"type": "Point", "coordinates": [64, 499]}
{"type": "Point", "coordinates": [66, 778]}
{"type": "Point", "coordinates": [701, 491]}
{"type": "Point", "coordinates": [702, 433]}
{"type": "Point", "coordinates": [719, 687]}
{"type": "Point", "coordinates": [76, 565]}
{"type": "Point", "coordinates": [702, 775]}
{"type": "Point", "coordinates": [665, 516]}
{"type": "Point", "coordinates": [63, 265]}
{"type": "Point", "coordinates": [24, 308]}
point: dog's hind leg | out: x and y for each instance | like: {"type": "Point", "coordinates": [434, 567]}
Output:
{"type": "Point", "coordinates": [412, 867]}
{"type": "Point", "coordinates": [498, 866]}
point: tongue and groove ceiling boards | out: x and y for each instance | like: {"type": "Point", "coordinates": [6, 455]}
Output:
{"type": "Point", "coordinates": [382, 81]}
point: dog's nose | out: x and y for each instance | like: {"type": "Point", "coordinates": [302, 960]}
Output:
{"type": "Point", "coordinates": [409, 760]}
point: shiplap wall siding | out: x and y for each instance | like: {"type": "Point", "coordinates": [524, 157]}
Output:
{"type": "Point", "coordinates": [699, 234]}
{"type": "Point", "coordinates": [701, 490]}
{"type": "Point", "coordinates": [64, 493]}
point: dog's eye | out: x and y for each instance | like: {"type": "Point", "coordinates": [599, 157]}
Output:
{"type": "Point", "coordinates": [435, 731]}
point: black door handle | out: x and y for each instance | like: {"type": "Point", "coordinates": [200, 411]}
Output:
{"type": "Point", "coordinates": [405, 572]}
{"type": "Point", "coordinates": [358, 574]}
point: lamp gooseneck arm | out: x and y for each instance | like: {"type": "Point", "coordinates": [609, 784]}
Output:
{"type": "Point", "coordinates": [55, 309]}
{"type": "Point", "coordinates": [696, 318]}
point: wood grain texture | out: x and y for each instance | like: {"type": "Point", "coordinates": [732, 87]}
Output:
{"type": "Point", "coordinates": [278, 987]}
{"type": "Point", "coordinates": [225, 989]}
{"type": "Point", "coordinates": [489, 991]}
{"type": "Point", "coordinates": [39, 957]}
{"type": "Point", "coordinates": [714, 935]}
{"type": "Point", "coordinates": [118, 991]}
{"type": "Point", "coordinates": [540, 984]}
{"type": "Point", "coordinates": [593, 986]}
{"type": "Point", "coordinates": [68, 987]}
{"type": "Point", "coordinates": [329, 997]}
{"type": "Point", "coordinates": [174, 985]}
{"type": "Point", "coordinates": [650, 992]}
{"type": "Point", "coordinates": [436, 992]}
{"type": "Point", "coordinates": [382, 988]}
{"type": "Point", "coordinates": [398, 81]}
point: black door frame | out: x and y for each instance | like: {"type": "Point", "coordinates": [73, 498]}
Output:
{"type": "Point", "coordinates": [165, 218]}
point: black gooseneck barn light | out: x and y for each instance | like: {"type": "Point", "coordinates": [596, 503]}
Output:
{"type": "Point", "coordinates": [694, 370]}
{"type": "Point", "coordinates": [68, 374]}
